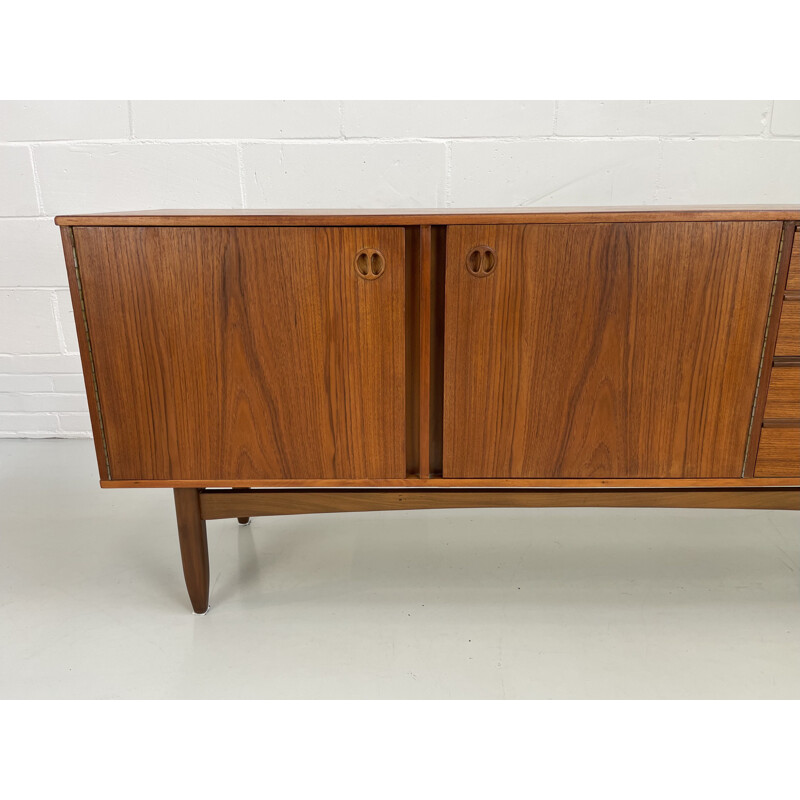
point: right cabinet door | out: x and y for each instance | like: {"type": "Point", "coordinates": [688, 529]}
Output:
{"type": "Point", "coordinates": [618, 350]}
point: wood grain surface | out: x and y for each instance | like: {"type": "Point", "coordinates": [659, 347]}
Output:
{"type": "Point", "coordinates": [789, 331]}
{"type": "Point", "coordinates": [430, 216]}
{"type": "Point", "coordinates": [783, 397]}
{"type": "Point", "coordinates": [84, 347]}
{"type": "Point", "coordinates": [768, 354]}
{"type": "Point", "coordinates": [413, 377]}
{"type": "Point", "coordinates": [605, 350]}
{"type": "Point", "coordinates": [226, 504]}
{"type": "Point", "coordinates": [471, 483]}
{"type": "Point", "coordinates": [793, 284]}
{"type": "Point", "coordinates": [436, 355]}
{"type": "Point", "coordinates": [423, 352]}
{"type": "Point", "coordinates": [779, 452]}
{"type": "Point", "coordinates": [242, 353]}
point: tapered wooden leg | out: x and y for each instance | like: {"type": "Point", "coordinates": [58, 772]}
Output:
{"type": "Point", "coordinates": [244, 520]}
{"type": "Point", "coordinates": [194, 546]}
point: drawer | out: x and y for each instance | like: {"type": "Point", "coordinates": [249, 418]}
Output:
{"type": "Point", "coordinates": [778, 453]}
{"type": "Point", "coordinates": [793, 283]}
{"type": "Point", "coordinates": [789, 331]}
{"type": "Point", "coordinates": [783, 397]}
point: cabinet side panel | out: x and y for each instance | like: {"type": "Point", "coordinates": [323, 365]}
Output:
{"type": "Point", "coordinates": [604, 350]}
{"type": "Point", "coordinates": [233, 353]}
{"type": "Point", "coordinates": [84, 345]}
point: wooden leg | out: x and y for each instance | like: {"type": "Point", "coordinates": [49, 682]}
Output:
{"type": "Point", "coordinates": [244, 520]}
{"type": "Point", "coordinates": [194, 546]}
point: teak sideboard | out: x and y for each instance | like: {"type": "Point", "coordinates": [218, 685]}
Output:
{"type": "Point", "coordinates": [291, 362]}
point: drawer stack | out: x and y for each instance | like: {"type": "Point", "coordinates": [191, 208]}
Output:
{"type": "Point", "coordinates": [779, 443]}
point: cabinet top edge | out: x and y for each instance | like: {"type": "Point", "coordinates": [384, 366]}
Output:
{"type": "Point", "coordinates": [427, 216]}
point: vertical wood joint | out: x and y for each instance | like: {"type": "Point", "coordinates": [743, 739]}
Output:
{"type": "Point", "coordinates": [424, 351]}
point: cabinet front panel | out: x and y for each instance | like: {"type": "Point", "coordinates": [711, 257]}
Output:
{"type": "Point", "coordinates": [627, 350]}
{"type": "Point", "coordinates": [247, 353]}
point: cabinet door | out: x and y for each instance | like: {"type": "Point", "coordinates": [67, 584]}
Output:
{"type": "Point", "coordinates": [247, 353]}
{"type": "Point", "coordinates": [604, 350]}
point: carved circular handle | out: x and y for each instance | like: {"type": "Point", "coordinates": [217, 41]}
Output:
{"type": "Point", "coordinates": [481, 261]}
{"type": "Point", "coordinates": [369, 263]}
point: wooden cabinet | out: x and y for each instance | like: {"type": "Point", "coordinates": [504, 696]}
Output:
{"type": "Point", "coordinates": [295, 362]}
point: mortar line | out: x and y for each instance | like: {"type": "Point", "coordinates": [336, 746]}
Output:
{"type": "Point", "coordinates": [240, 164]}
{"type": "Point", "coordinates": [62, 340]}
{"type": "Point", "coordinates": [36, 185]}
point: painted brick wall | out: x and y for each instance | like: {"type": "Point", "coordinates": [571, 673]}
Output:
{"type": "Point", "coordinates": [72, 157]}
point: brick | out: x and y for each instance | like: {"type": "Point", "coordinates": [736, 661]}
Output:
{"type": "Point", "coordinates": [718, 172]}
{"type": "Point", "coordinates": [447, 118]}
{"type": "Point", "coordinates": [553, 172]}
{"type": "Point", "coordinates": [341, 175]}
{"type": "Point", "coordinates": [75, 424]}
{"type": "Point", "coordinates": [661, 117]}
{"type": "Point", "coordinates": [12, 364]}
{"type": "Point", "coordinates": [43, 120]}
{"type": "Point", "coordinates": [30, 253]}
{"type": "Point", "coordinates": [786, 118]}
{"type": "Point", "coordinates": [27, 324]}
{"type": "Point", "coordinates": [17, 188]}
{"type": "Point", "coordinates": [66, 320]}
{"type": "Point", "coordinates": [235, 119]}
{"type": "Point", "coordinates": [27, 383]}
{"type": "Point", "coordinates": [68, 383]}
{"type": "Point", "coordinates": [117, 177]}
{"type": "Point", "coordinates": [42, 401]}
{"type": "Point", "coordinates": [28, 424]}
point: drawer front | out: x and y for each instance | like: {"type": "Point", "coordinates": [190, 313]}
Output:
{"type": "Point", "coordinates": [248, 353]}
{"type": "Point", "coordinates": [788, 343]}
{"type": "Point", "coordinates": [778, 453]}
{"type": "Point", "coordinates": [783, 397]}
{"type": "Point", "coordinates": [793, 282]}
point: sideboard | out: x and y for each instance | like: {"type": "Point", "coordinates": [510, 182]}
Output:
{"type": "Point", "coordinates": [294, 362]}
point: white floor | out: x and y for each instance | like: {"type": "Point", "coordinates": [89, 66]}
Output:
{"type": "Point", "coordinates": [555, 603]}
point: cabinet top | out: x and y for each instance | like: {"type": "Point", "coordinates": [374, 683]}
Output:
{"type": "Point", "coordinates": [428, 216]}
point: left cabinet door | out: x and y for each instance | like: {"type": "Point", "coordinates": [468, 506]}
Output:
{"type": "Point", "coordinates": [226, 353]}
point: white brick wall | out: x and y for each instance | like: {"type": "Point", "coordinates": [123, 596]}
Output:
{"type": "Point", "coordinates": [344, 174]}
{"type": "Point", "coordinates": [80, 156]}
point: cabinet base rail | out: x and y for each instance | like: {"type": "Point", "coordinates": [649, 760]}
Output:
{"type": "Point", "coordinates": [194, 506]}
